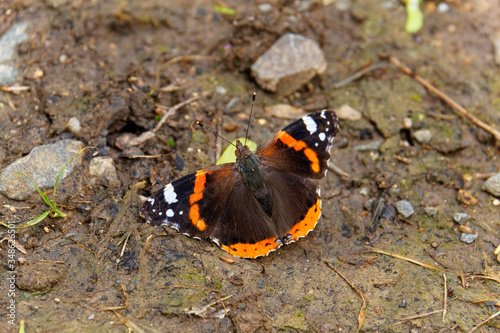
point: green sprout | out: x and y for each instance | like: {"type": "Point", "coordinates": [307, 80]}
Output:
{"type": "Point", "coordinates": [225, 10]}
{"type": "Point", "coordinates": [53, 210]}
{"type": "Point", "coordinates": [414, 16]}
{"type": "Point", "coordinates": [171, 143]}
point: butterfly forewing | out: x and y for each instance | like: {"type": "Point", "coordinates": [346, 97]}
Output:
{"type": "Point", "coordinates": [303, 147]}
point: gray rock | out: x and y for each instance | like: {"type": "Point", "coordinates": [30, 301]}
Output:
{"type": "Point", "coordinates": [102, 170]}
{"type": "Point", "coordinates": [431, 211]}
{"type": "Point", "coordinates": [291, 62]}
{"type": "Point", "coordinates": [468, 238]}
{"type": "Point", "coordinates": [8, 75]}
{"type": "Point", "coordinates": [405, 208]}
{"type": "Point", "coordinates": [492, 185]}
{"type": "Point", "coordinates": [423, 136]}
{"type": "Point", "coordinates": [10, 39]}
{"type": "Point", "coordinates": [42, 165]}
{"type": "Point", "coordinates": [8, 43]}
{"type": "Point", "coordinates": [461, 218]}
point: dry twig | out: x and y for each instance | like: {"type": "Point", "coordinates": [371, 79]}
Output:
{"type": "Point", "coordinates": [416, 317]}
{"type": "Point", "coordinates": [113, 308]}
{"type": "Point", "coordinates": [455, 106]}
{"type": "Point", "coordinates": [172, 110]}
{"type": "Point", "coordinates": [362, 311]}
{"type": "Point", "coordinates": [403, 257]}
{"type": "Point", "coordinates": [445, 294]}
{"type": "Point", "coordinates": [176, 60]}
{"type": "Point", "coordinates": [359, 74]}
{"type": "Point", "coordinates": [496, 314]}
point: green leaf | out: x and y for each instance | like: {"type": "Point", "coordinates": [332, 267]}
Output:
{"type": "Point", "coordinates": [415, 18]}
{"type": "Point", "coordinates": [225, 10]}
{"type": "Point", "coordinates": [228, 155]}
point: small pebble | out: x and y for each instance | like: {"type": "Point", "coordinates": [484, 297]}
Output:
{"type": "Point", "coordinates": [74, 125]}
{"type": "Point", "coordinates": [407, 122]}
{"type": "Point", "coordinates": [423, 136]}
{"type": "Point", "coordinates": [465, 229]}
{"type": "Point", "coordinates": [431, 211]}
{"type": "Point", "coordinates": [466, 197]}
{"type": "Point", "coordinates": [443, 7]}
{"type": "Point", "coordinates": [63, 58]}
{"type": "Point", "coordinates": [38, 74]}
{"type": "Point", "coordinates": [405, 208]}
{"type": "Point", "coordinates": [348, 113]}
{"type": "Point", "coordinates": [91, 317]}
{"type": "Point", "coordinates": [403, 304]}
{"type": "Point", "coordinates": [468, 238]}
{"type": "Point", "coordinates": [220, 90]}
{"type": "Point", "coordinates": [496, 202]}
{"type": "Point", "coordinates": [434, 244]}
{"type": "Point", "coordinates": [265, 7]}
{"type": "Point", "coordinates": [461, 218]}
{"type": "Point", "coordinates": [364, 191]}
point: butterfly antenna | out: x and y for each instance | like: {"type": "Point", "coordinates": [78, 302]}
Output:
{"type": "Point", "coordinates": [214, 133]}
{"type": "Point", "coordinates": [250, 118]}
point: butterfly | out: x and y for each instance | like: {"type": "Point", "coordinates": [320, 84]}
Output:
{"type": "Point", "coordinates": [264, 200]}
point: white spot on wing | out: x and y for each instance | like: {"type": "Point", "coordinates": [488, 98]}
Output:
{"type": "Point", "coordinates": [323, 114]}
{"type": "Point", "coordinates": [170, 195]}
{"type": "Point", "coordinates": [151, 200]}
{"type": "Point", "coordinates": [322, 136]}
{"type": "Point", "coordinates": [170, 213]}
{"type": "Point", "coordinates": [310, 124]}
{"type": "Point", "coordinates": [181, 212]}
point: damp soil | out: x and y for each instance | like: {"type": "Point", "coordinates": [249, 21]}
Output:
{"type": "Point", "coordinates": [114, 64]}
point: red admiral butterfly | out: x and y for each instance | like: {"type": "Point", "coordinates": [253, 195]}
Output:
{"type": "Point", "coordinates": [265, 199]}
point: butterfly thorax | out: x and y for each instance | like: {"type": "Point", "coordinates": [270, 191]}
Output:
{"type": "Point", "coordinates": [248, 166]}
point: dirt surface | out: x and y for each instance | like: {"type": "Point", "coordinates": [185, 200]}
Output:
{"type": "Point", "coordinates": [114, 64]}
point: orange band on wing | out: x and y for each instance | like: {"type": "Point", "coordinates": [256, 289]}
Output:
{"type": "Point", "coordinates": [199, 186]}
{"type": "Point", "coordinates": [302, 228]}
{"type": "Point", "coordinates": [247, 250]}
{"type": "Point", "coordinates": [194, 215]}
{"type": "Point", "coordinates": [194, 212]}
{"type": "Point", "coordinates": [311, 155]}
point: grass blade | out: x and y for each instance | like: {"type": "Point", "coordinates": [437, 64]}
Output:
{"type": "Point", "coordinates": [42, 194]}
{"type": "Point", "coordinates": [59, 177]}
{"type": "Point", "coordinates": [30, 223]}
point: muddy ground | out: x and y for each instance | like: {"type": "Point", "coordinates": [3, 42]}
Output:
{"type": "Point", "coordinates": [107, 63]}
